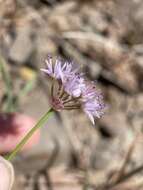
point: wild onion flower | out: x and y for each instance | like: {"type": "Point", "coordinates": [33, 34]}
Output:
{"type": "Point", "coordinates": [71, 90]}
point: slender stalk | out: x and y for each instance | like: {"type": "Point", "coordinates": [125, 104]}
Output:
{"type": "Point", "coordinates": [40, 123]}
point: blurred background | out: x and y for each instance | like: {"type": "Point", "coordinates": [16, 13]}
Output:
{"type": "Point", "coordinates": [105, 37]}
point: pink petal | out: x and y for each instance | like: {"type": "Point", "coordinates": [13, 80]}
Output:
{"type": "Point", "coordinates": [13, 127]}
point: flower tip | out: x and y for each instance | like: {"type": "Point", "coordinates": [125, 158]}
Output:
{"type": "Point", "coordinates": [42, 69]}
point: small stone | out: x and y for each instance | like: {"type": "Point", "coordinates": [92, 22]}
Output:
{"type": "Point", "coordinates": [114, 123]}
{"type": "Point", "coordinates": [94, 69]}
{"type": "Point", "coordinates": [22, 46]}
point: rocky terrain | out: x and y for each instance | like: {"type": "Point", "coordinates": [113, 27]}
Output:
{"type": "Point", "coordinates": [106, 38]}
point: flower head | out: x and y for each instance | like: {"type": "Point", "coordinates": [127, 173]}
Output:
{"type": "Point", "coordinates": [59, 70]}
{"type": "Point", "coordinates": [92, 103]}
{"type": "Point", "coordinates": [71, 90]}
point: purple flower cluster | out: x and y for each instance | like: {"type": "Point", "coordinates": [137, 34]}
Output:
{"type": "Point", "coordinates": [71, 90]}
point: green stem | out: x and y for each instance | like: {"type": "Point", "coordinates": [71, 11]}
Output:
{"type": "Point", "coordinates": [40, 123]}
